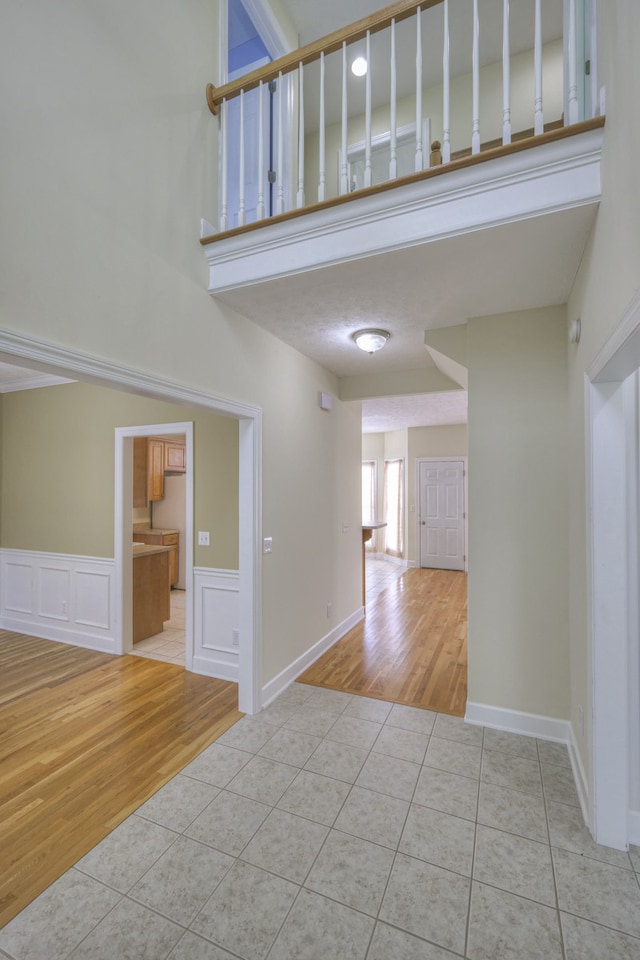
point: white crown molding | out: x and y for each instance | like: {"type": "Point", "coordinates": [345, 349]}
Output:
{"type": "Point", "coordinates": [606, 366]}
{"type": "Point", "coordinates": [552, 177]}
{"type": "Point", "coordinates": [105, 373]}
{"type": "Point", "coordinates": [32, 382]}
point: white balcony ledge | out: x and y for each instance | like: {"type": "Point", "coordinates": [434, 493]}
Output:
{"type": "Point", "coordinates": [500, 187]}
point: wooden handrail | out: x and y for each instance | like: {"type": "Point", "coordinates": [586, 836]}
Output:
{"type": "Point", "coordinates": [375, 22]}
{"type": "Point", "coordinates": [491, 153]}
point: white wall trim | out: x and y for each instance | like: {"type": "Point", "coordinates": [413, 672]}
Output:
{"type": "Point", "coordinates": [53, 358]}
{"type": "Point", "coordinates": [634, 827]}
{"type": "Point", "coordinates": [57, 596]}
{"type": "Point", "coordinates": [620, 355]}
{"type": "Point", "coordinates": [501, 190]}
{"type": "Point", "coordinates": [533, 725]}
{"type": "Point", "coordinates": [274, 687]}
{"type": "Point", "coordinates": [216, 617]}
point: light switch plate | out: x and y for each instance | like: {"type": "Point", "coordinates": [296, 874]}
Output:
{"type": "Point", "coordinates": [267, 545]}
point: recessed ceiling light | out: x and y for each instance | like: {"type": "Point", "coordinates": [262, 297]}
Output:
{"type": "Point", "coordinates": [371, 340]}
{"type": "Point", "coordinates": [359, 67]}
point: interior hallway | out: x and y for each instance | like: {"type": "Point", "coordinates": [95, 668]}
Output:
{"type": "Point", "coordinates": [411, 647]}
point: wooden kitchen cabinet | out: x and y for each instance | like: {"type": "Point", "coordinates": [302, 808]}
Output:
{"type": "Point", "coordinates": [140, 472]}
{"type": "Point", "coordinates": [155, 469]}
{"type": "Point", "coordinates": [151, 592]}
{"type": "Point", "coordinates": [175, 456]}
{"type": "Point", "coordinates": [162, 538]}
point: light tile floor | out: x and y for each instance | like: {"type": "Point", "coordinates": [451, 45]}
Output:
{"type": "Point", "coordinates": [169, 645]}
{"type": "Point", "coordinates": [339, 827]}
{"type": "Point", "coordinates": [380, 574]}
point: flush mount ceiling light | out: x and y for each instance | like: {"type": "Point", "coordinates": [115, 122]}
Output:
{"type": "Point", "coordinates": [359, 67]}
{"type": "Point", "coordinates": [371, 340]}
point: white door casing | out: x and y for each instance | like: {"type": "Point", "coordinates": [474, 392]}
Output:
{"type": "Point", "coordinates": [441, 516]}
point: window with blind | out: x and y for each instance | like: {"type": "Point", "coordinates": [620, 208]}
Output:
{"type": "Point", "coordinates": [394, 507]}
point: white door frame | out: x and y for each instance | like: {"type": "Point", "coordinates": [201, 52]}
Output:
{"type": "Point", "coordinates": [51, 358]}
{"type": "Point", "coordinates": [465, 496]}
{"type": "Point", "coordinates": [611, 390]}
{"type": "Point", "coordinates": [122, 528]}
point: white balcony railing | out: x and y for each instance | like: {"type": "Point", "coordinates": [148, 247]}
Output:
{"type": "Point", "coordinates": [441, 83]}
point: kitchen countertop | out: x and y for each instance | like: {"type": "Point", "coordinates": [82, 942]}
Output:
{"type": "Point", "coordinates": [146, 549]}
{"type": "Point", "coordinates": [140, 528]}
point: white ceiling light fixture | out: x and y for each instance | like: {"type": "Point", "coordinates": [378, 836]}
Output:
{"type": "Point", "coordinates": [359, 67]}
{"type": "Point", "coordinates": [371, 340]}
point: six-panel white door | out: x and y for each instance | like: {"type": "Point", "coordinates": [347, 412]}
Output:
{"type": "Point", "coordinates": [442, 514]}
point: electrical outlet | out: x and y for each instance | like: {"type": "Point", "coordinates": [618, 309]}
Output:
{"type": "Point", "coordinates": [267, 545]}
{"type": "Point", "coordinates": [203, 538]}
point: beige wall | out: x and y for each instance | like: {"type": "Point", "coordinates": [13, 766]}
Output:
{"type": "Point", "coordinates": [522, 93]}
{"type": "Point", "coordinates": [105, 180]}
{"type": "Point", "coordinates": [608, 279]}
{"type": "Point", "coordinates": [445, 441]}
{"type": "Point", "coordinates": [58, 470]}
{"type": "Point", "coordinates": [518, 501]}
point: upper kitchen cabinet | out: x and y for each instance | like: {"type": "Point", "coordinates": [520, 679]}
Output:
{"type": "Point", "coordinates": [175, 456]}
{"type": "Point", "coordinates": [152, 458]}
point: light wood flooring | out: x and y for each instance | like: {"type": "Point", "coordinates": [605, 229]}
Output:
{"type": "Point", "coordinates": [85, 738]}
{"type": "Point", "coordinates": [410, 648]}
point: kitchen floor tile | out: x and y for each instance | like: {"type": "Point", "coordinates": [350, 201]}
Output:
{"type": "Point", "coordinates": [388, 775]}
{"type": "Point", "coordinates": [454, 757]}
{"type": "Point", "coordinates": [439, 838]}
{"type": "Point", "coordinates": [511, 743]}
{"type": "Point", "coordinates": [373, 816]}
{"type": "Point", "coordinates": [403, 744]}
{"type": "Point", "coordinates": [514, 864]}
{"type": "Point", "coordinates": [355, 732]}
{"type": "Point", "coordinates": [454, 728]}
{"type": "Point", "coordinates": [513, 812]}
{"type": "Point", "coordinates": [129, 932]}
{"type": "Point", "coordinates": [391, 944]}
{"type": "Point", "coordinates": [516, 773]}
{"type": "Point", "coordinates": [447, 792]}
{"type": "Point", "coordinates": [315, 797]}
{"type": "Point", "coordinates": [411, 718]}
{"type": "Point", "coordinates": [584, 940]}
{"type": "Point", "coordinates": [288, 746]}
{"type": "Point", "coordinates": [337, 760]}
{"type": "Point", "coordinates": [319, 929]}
{"type": "Point", "coordinates": [177, 804]}
{"type": "Point", "coordinates": [127, 853]}
{"type": "Point", "coordinates": [217, 765]}
{"type": "Point", "coordinates": [229, 822]}
{"type": "Point", "coordinates": [263, 780]}
{"type": "Point", "coordinates": [567, 830]}
{"type": "Point", "coordinates": [597, 891]}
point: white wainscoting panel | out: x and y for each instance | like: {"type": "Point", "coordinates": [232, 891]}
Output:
{"type": "Point", "coordinates": [58, 597]}
{"type": "Point", "coordinates": [216, 618]}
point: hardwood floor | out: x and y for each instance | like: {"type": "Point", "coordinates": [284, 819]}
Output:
{"type": "Point", "coordinates": [85, 738]}
{"type": "Point", "coordinates": [411, 647]}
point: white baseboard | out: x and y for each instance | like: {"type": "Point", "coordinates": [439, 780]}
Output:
{"type": "Point", "coordinates": [274, 687]}
{"type": "Point", "coordinates": [67, 634]}
{"type": "Point", "coordinates": [534, 725]}
{"type": "Point", "coordinates": [513, 721]}
{"type": "Point", "coordinates": [634, 827]}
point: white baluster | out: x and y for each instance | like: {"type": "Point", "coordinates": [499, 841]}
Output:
{"type": "Point", "coordinates": [446, 97]}
{"type": "Point", "coordinates": [367, 118]}
{"type": "Point", "coordinates": [419, 145]}
{"type": "Point", "coordinates": [538, 124]}
{"type": "Point", "coordinates": [475, 132]}
{"type": "Point", "coordinates": [344, 167]}
{"type": "Point", "coordinates": [322, 160]}
{"type": "Point", "coordinates": [300, 196]}
{"type": "Point", "coordinates": [280, 177]}
{"type": "Point", "coordinates": [260, 205]}
{"type": "Point", "coordinates": [242, 186]}
{"type": "Point", "coordinates": [393, 147]}
{"type": "Point", "coordinates": [224, 200]}
{"type": "Point", "coordinates": [506, 76]}
{"type": "Point", "coordinates": [572, 45]}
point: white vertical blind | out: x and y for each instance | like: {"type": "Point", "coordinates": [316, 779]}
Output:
{"type": "Point", "coordinates": [475, 132]}
{"type": "Point", "coordinates": [446, 96]}
{"type": "Point", "coordinates": [300, 195]}
{"type": "Point", "coordinates": [393, 156]}
{"type": "Point", "coordinates": [538, 125]}
{"type": "Point", "coordinates": [506, 75]}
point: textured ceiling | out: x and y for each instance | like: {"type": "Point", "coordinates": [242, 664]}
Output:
{"type": "Point", "coordinates": [428, 410]}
